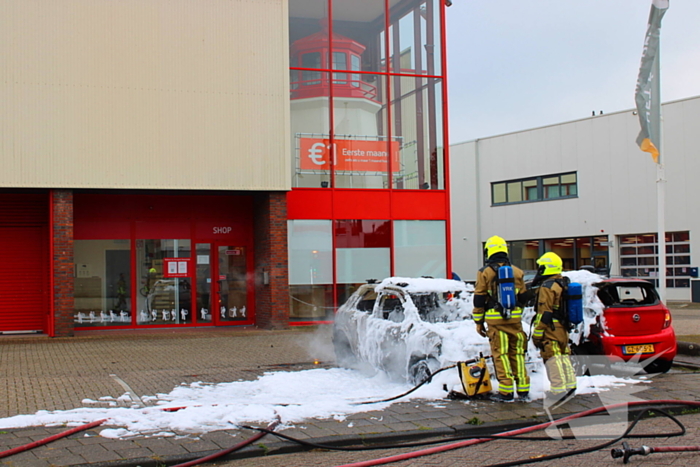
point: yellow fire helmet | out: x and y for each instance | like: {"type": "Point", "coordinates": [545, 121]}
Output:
{"type": "Point", "coordinates": [495, 244]}
{"type": "Point", "coordinates": [551, 262]}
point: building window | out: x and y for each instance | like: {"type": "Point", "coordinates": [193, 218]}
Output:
{"type": "Point", "coordinates": [533, 189]}
{"type": "Point", "coordinates": [366, 94]}
{"type": "Point", "coordinates": [362, 252]}
{"type": "Point", "coordinates": [575, 253]}
{"type": "Point", "coordinates": [161, 299]}
{"type": "Point", "coordinates": [419, 248]}
{"type": "Point", "coordinates": [639, 258]}
{"type": "Point", "coordinates": [102, 287]}
{"type": "Point", "coordinates": [310, 270]}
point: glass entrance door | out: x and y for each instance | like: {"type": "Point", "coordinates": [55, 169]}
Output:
{"type": "Point", "coordinates": [231, 288]}
{"type": "Point", "coordinates": [203, 271]}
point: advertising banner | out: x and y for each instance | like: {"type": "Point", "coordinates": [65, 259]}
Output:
{"type": "Point", "coordinates": [350, 155]}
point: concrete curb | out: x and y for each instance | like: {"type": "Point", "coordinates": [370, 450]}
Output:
{"type": "Point", "coordinates": [689, 348]}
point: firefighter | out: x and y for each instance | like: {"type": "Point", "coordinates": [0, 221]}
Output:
{"type": "Point", "coordinates": [504, 329]}
{"type": "Point", "coordinates": [551, 334]}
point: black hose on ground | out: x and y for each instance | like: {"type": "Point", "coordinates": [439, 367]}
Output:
{"type": "Point", "coordinates": [576, 452]}
{"type": "Point", "coordinates": [329, 447]}
{"type": "Point", "coordinates": [427, 380]}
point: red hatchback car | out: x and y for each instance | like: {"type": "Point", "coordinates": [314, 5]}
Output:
{"type": "Point", "coordinates": [634, 324]}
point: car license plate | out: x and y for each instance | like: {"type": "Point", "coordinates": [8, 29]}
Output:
{"type": "Point", "coordinates": [634, 349]}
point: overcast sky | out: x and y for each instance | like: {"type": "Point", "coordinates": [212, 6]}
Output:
{"type": "Point", "coordinates": [515, 65]}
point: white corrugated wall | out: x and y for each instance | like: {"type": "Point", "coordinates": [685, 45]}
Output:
{"type": "Point", "coordinates": [616, 183]}
{"type": "Point", "coordinates": [172, 94]}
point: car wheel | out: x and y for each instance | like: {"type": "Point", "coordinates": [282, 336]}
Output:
{"type": "Point", "coordinates": [580, 358]}
{"type": "Point", "coordinates": [658, 366]}
{"type": "Point", "coordinates": [580, 364]}
{"type": "Point", "coordinates": [420, 370]}
{"type": "Point", "coordinates": [344, 356]}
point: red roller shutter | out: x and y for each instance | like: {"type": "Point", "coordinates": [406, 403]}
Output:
{"type": "Point", "coordinates": [24, 264]}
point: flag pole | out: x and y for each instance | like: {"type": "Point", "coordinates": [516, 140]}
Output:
{"type": "Point", "coordinates": [648, 99]}
{"type": "Point", "coordinates": [660, 173]}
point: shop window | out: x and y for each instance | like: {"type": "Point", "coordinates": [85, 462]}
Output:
{"type": "Point", "coordinates": [102, 284]}
{"type": "Point", "coordinates": [419, 249]}
{"type": "Point", "coordinates": [162, 299]}
{"type": "Point", "coordinates": [310, 245]}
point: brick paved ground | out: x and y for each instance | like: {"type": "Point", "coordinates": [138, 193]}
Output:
{"type": "Point", "coordinates": [41, 373]}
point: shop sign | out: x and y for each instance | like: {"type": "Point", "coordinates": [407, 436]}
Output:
{"type": "Point", "coordinates": [176, 267]}
{"type": "Point", "coordinates": [350, 155]}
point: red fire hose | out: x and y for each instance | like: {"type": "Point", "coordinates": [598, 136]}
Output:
{"type": "Point", "coordinates": [223, 452]}
{"type": "Point", "coordinates": [626, 452]}
{"type": "Point", "coordinates": [472, 442]}
{"type": "Point", "coordinates": [41, 442]}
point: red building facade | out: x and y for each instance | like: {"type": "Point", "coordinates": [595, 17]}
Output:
{"type": "Point", "coordinates": [369, 199]}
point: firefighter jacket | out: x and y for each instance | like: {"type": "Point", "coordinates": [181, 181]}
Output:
{"type": "Point", "coordinates": [551, 336]}
{"type": "Point", "coordinates": [547, 307]}
{"type": "Point", "coordinates": [486, 305]}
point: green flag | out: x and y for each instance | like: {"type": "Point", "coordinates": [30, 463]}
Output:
{"type": "Point", "coordinates": [646, 106]}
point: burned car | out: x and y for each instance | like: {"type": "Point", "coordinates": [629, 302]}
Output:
{"type": "Point", "coordinates": [629, 323]}
{"type": "Point", "coordinates": [400, 326]}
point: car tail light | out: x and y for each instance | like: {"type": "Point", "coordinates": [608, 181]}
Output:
{"type": "Point", "coordinates": [667, 319]}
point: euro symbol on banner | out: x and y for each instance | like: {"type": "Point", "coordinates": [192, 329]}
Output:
{"type": "Point", "coordinates": [316, 153]}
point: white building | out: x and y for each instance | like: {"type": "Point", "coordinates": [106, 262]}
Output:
{"type": "Point", "coordinates": [564, 187]}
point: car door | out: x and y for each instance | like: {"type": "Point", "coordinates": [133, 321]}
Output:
{"type": "Point", "coordinates": [389, 332]}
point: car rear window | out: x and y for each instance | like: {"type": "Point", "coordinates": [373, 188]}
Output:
{"type": "Point", "coordinates": [627, 294]}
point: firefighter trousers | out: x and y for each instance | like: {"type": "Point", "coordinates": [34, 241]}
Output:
{"type": "Point", "coordinates": [555, 355]}
{"type": "Point", "coordinates": [508, 345]}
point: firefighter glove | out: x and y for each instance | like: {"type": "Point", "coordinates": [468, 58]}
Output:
{"type": "Point", "coordinates": [527, 298]}
{"type": "Point", "coordinates": [481, 329]}
{"type": "Point", "coordinates": [547, 318]}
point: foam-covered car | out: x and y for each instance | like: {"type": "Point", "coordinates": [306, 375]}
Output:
{"type": "Point", "coordinates": [631, 323]}
{"type": "Point", "coordinates": [402, 326]}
